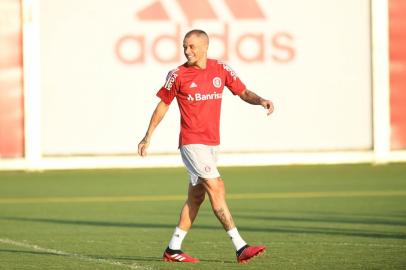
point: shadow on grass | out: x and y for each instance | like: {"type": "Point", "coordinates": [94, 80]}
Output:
{"type": "Point", "coordinates": [29, 252]}
{"type": "Point", "coordinates": [285, 229]}
{"type": "Point", "coordinates": [159, 259]}
{"type": "Point", "coordinates": [121, 259]}
{"type": "Point", "coordinates": [134, 258]}
{"type": "Point", "coordinates": [327, 219]}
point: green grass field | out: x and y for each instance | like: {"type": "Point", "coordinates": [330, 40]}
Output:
{"type": "Point", "coordinates": [309, 217]}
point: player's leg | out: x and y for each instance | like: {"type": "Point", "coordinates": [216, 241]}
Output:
{"type": "Point", "coordinates": [216, 191]}
{"type": "Point", "coordinates": [201, 163]}
{"type": "Point", "coordinates": [188, 214]}
{"type": "Point", "coordinates": [191, 207]}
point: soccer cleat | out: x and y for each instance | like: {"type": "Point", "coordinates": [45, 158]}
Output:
{"type": "Point", "coordinates": [179, 256]}
{"type": "Point", "coordinates": [248, 252]}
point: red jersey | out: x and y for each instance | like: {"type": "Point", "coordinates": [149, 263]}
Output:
{"type": "Point", "coordinates": [199, 93]}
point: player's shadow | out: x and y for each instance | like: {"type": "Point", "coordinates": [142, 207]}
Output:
{"type": "Point", "coordinates": [159, 259]}
{"type": "Point", "coordinates": [345, 219]}
{"type": "Point", "coordinates": [134, 258]}
{"type": "Point", "coordinates": [29, 252]}
{"type": "Point", "coordinates": [268, 229]}
{"type": "Point", "coordinates": [44, 253]}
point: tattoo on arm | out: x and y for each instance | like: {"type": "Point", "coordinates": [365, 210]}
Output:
{"type": "Point", "coordinates": [251, 98]}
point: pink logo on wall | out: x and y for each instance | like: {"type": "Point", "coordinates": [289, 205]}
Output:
{"type": "Point", "coordinates": [139, 48]}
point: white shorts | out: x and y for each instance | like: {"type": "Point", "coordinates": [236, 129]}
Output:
{"type": "Point", "coordinates": [200, 161]}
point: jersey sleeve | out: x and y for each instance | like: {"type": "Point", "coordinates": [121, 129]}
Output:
{"type": "Point", "coordinates": [169, 90]}
{"type": "Point", "coordinates": [232, 81]}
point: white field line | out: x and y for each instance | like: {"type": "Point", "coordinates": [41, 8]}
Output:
{"type": "Point", "coordinates": [71, 255]}
{"type": "Point", "coordinates": [242, 196]}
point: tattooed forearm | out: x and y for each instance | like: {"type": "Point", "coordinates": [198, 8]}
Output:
{"type": "Point", "coordinates": [225, 218]}
{"type": "Point", "coordinates": [251, 98]}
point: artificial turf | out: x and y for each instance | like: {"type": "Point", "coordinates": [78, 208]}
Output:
{"type": "Point", "coordinates": [309, 217]}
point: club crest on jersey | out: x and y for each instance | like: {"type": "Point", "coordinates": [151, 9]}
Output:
{"type": "Point", "coordinates": [217, 82]}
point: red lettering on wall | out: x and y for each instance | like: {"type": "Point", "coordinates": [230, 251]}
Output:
{"type": "Point", "coordinates": [259, 54]}
{"type": "Point", "coordinates": [11, 94]}
{"type": "Point", "coordinates": [262, 47]}
{"type": "Point", "coordinates": [282, 42]}
{"type": "Point", "coordinates": [397, 55]}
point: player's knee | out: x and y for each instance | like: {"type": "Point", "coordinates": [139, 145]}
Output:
{"type": "Point", "coordinates": [214, 186]}
{"type": "Point", "coordinates": [217, 191]}
{"type": "Point", "coordinates": [217, 199]}
{"type": "Point", "coordinates": [197, 199]}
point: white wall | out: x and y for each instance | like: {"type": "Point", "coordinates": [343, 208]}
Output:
{"type": "Point", "coordinates": [316, 68]}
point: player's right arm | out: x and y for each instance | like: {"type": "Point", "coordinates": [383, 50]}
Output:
{"type": "Point", "coordinates": [156, 118]}
{"type": "Point", "coordinates": [167, 93]}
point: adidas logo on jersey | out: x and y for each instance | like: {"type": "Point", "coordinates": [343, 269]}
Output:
{"type": "Point", "coordinates": [193, 85]}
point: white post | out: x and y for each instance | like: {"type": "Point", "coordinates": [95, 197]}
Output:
{"type": "Point", "coordinates": [380, 79]}
{"type": "Point", "coordinates": [32, 87]}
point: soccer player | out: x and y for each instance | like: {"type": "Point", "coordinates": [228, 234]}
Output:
{"type": "Point", "coordinates": [198, 85]}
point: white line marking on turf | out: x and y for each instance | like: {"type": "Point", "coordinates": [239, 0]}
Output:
{"type": "Point", "coordinates": [242, 196]}
{"type": "Point", "coordinates": [72, 255]}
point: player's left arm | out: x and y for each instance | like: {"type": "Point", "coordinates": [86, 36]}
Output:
{"type": "Point", "coordinates": [252, 98]}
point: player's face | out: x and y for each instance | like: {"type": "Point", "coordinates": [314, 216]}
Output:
{"type": "Point", "coordinates": [195, 49]}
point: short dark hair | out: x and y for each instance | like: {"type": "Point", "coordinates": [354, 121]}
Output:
{"type": "Point", "coordinates": [197, 32]}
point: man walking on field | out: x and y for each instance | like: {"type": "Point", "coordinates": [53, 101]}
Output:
{"type": "Point", "coordinates": [198, 85]}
